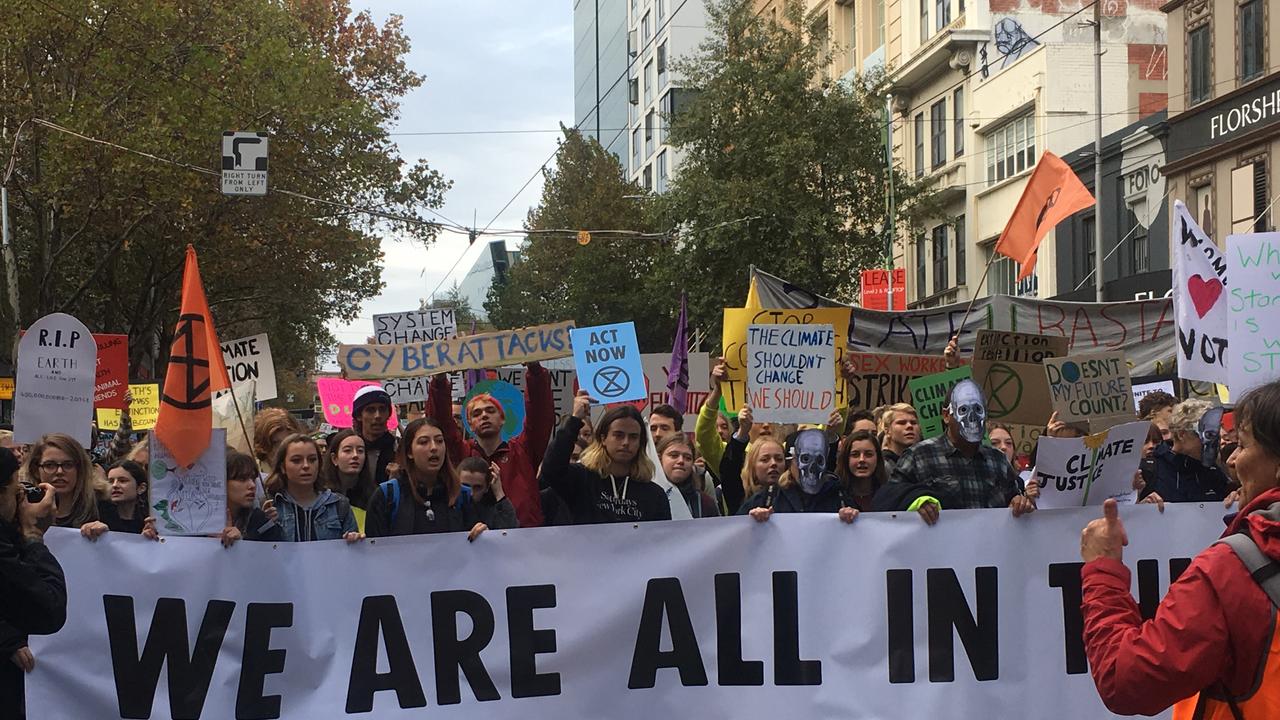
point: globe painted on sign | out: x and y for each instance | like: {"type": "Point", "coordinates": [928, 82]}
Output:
{"type": "Point", "coordinates": [512, 401]}
{"type": "Point", "coordinates": [1070, 372]}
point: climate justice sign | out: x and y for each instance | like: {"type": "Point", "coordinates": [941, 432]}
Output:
{"type": "Point", "coordinates": [978, 616]}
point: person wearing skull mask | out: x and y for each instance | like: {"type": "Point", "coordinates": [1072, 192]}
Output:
{"type": "Point", "coordinates": [808, 485]}
{"type": "Point", "coordinates": [955, 470]}
{"type": "Point", "coordinates": [1188, 471]}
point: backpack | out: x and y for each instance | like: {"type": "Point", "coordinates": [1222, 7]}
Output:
{"type": "Point", "coordinates": [391, 491]}
{"type": "Point", "coordinates": [1263, 569]}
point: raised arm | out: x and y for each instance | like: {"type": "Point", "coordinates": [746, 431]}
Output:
{"type": "Point", "coordinates": [540, 412]}
{"type": "Point", "coordinates": [440, 407]}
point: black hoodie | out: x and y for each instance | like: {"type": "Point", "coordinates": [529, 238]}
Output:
{"type": "Point", "coordinates": [595, 499]}
{"type": "Point", "coordinates": [829, 499]}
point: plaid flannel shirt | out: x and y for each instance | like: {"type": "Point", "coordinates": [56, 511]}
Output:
{"type": "Point", "coordinates": [986, 480]}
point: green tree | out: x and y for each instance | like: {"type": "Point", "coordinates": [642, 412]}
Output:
{"type": "Point", "coordinates": [461, 304]}
{"type": "Point", "coordinates": [783, 167]}
{"type": "Point", "coordinates": [608, 280]}
{"type": "Point", "coordinates": [100, 232]}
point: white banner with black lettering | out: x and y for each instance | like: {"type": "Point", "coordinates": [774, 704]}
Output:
{"type": "Point", "coordinates": [801, 616]}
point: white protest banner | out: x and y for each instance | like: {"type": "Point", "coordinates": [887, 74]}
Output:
{"type": "Point", "coordinates": [791, 373]}
{"type": "Point", "coordinates": [655, 378]}
{"type": "Point", "coordinates": [193, 500]}
{"type": "Point", "coordinates": [1253, 311]}
{"type": "Point", "coordinates": [473, 352]}
{"type": "Point", "coordinates": [1074, 472]}
{"type": "Point", "coordinates": [1141, 390]}
{"type": "Point", "coordinates": [716, 618]}
{"type": "Point", "coordinates": [414, 326]}
{"type": "Point", "coordinates": [1088, 388]}
{"type": "Point", "coordinates": [1200, 308]}
{"type": "Point", "coordinates": [57, 368]}
{"type": "Point", "coordinates": [250, 359]}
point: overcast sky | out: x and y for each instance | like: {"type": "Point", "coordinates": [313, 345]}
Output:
{"type": "Point", "coordinates": [489, 65]}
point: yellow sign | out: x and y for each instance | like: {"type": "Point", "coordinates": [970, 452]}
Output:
{"type": "Point", "coordinates": [6, 388]}
{"type": "Point", "coordinates": [143, 409]}
{"type": "Point", "coordinates": [736, 321]}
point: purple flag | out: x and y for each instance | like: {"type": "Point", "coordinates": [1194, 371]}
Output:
{"type": "Point", "coordinates": [678, 372]}
{"type": "Point", "coordinates": [471, 378]}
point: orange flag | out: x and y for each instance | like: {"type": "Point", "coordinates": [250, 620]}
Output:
{"type": "Point", "coordinates": [196, 370]}
{"type": "Point", "coordinates": [1052, 194]}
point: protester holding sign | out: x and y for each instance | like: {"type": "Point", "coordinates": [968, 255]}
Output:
{"type": "Point", "coordinates": [860, 468]}
{"type": "Point", "coordinates": [1210, 648]}
{"type": "Point", "coordinates": [245, 520]}
{"type": "Point", "coordinates": [808, 485]}
{"type": "Point", "coordinates": [370, 413]}
{"type": "Point", "coordinates": [346, 468]}
{"type": "Point", "coordinates": [126, 510]}
{"type": "Point", "coordinates": [1181, 474]}
{"type": "Point", "coordinates": [63, 463]}
{"type": "Point", "coordinates": [736, 456]}
{"type": "Point", "coordinates": [706, 431]}
{"type": "Point", "coordinates": [427, 495]}
{"type": "Point", "coordinates": [613, 480]}
{"type": "Point", "coordinates": [518, 457]}
{"type": "Point", "coordinates": [676, 454]}
{"type": "Point", "coordinates": [308, 510]}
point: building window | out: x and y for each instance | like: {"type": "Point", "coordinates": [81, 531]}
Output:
{"type": "Point", "coordinates": [1199, 67]}
{"type": "Point", "coordinates": [1202, 203]}
{"type": "Point", "coordinates": [1260, 202]}
{"type": "Point", "coordinates": [920, 268]}
{"type": "Point", "coordinates": [877, 22]}
{"type": "Point", "coordinates": [1086, 254]}
{"type": "Point", "coordinates": [662, 65]}
{"type": "Point", "coordinates": [662, 171]}
{"type": "Point", "coordinates": [1011, 149]}
{"type": "Point", "coordinates": [1132, 234]}
{"type": "Point", "coordinates": [960, 251]}
{"type": "Point", "coordinates": [1252, 40]}
{"type": "Point", "coordinates": [924, 21]}
{"type": "Point", "coordinates": [646, 31]}
{"type": "Point", "coordinates": [649, 132]}
{"type": "Point", "coordinates": [662, 11]}
{"type": "Point", "coordinates": [940, 259]}
{"type": "Point", "coordinates": [938, 133]}
{"type": "Point", "coordinates": [942, 13]}
{"type": "Point", "coordinates": [919, 127]}
{"type": "Point", "coordinates": [648, 178]}
{"type": "Point", "coordinates": [822, 35]}
{"type": "Point", "coordinates": [635, 149]}
{"type": "Point", "coordinates": [957, 111]}
{"type": "Point", "coordinates": [853, 37]}
{"type": "Point", "coordinates": [649, 83]}
{"type": "Point", "coordinates": [1004, 274]}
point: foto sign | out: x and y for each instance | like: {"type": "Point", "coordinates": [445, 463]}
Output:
{"type": "Point", "coordinates": [244, 163]}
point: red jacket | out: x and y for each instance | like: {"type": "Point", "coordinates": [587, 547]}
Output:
{"type": "Point", "coordinates": [1212, 627]}
{"type": "Point", "coordinates": [518, 459]}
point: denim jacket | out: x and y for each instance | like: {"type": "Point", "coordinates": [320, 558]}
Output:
{"type": "Point", "coordinates": [328, 518]}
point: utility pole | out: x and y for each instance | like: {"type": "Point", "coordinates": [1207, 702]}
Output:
{"type": "Point", "coordinates": [889, 224]}
{"type": "Point", "coordinates": [1098, 217]}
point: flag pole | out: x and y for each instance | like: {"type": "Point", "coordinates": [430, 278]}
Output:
{"type": "Point", "coordinates": [235, 402]}
{"type": "Point", "coordinates": [974, 298]}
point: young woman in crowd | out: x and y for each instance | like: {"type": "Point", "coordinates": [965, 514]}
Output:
{"type": "Point", "coordinates": [427, 495]}
{"type": "Point", "coordinates": [764, 465]}
{"type": "Point", "coordinates": [245, 520]}
{"type": "Point", "coordinates": [676, 454]}
{"type": "Point", "coordinates": [485, 481]}
{"type": "Point", "coordinates": [307, 509]}
{"type": "Point", "coordinates": [796, 494]}
{"type": "Point", "coordinates": [63, 463]}
{"type": "Point", "coordinates": [141, 453]}
{"type": "Point", "coordinates": [345, 469]}
{"type": "Point", "coordinates": [1002, 439]}
{"type": "Point", "coordinates": [613, 480]}
{"type": "Point", "coordinates": [860, 469]}
{"type": "Point", "coordinates": [126, 510]}
{"type": "Point", "coordinates": [735, 458]}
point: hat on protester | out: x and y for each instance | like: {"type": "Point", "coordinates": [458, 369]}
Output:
{"type": "Point", "coordinates": [369, 395]}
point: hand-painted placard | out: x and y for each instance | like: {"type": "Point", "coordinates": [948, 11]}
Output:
{"type": "Point", "coordinates": [1199, 300]}
{"type": "Point", "coordinates": [1005, 346]}
{"type": "Point", "coordinates": [1074, 472]}
{"type": "Point", "coordinates": [144, 408]}
{"type": "Point", "coordinates": [191, 500]}
{"type": "Point", "coordinates": [417, 389]}
{"type": "Point", "coordinates": [791, 372]}
{"type": "Point", "coordinates": [734, 343]}
{"type": "Point", "coordinates": [564, 383]}
{"type": "Point", "coordinates": [655, 374]}
{"type": "Point", "coordinates": [1016, 392]}
{"type": "Point", "coordinates": [336, 395]}
{"type": "Point", "coordinates": [112, 375]}
{"type": "Point", "coordinates": [1141, 390]}
{"type": "Point", "coordinates": [473, 352]}
{"type": "Point", "coordinates": [415, 326]}
{"type": "Point", "coordinates": [57, 366]}
{"type": "Point", "coordinates": [1253, 311]}
{"type": "Point", "coordinates": [878, 379]}
{"type": "Point", "coordinates": [1087, 388]}
{"type": "Point", "coordinates": [250, 359]}
{"type": "Point", "coordinates": [607, 360]}
{"type": "Point", "coordinates": [930, 394]}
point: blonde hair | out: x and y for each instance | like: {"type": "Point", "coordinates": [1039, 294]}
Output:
{"type": "Point", "coordinates": [596, 459]}
{"type": "Point", "coordinates": [887, 417]}
{"type": "Point", "coordinates": [748, 472]}
{"type": "Point", "coordinates": [84, 507]}
{"type": "Point", "coordinates": [1186, 416]}
{"type": "Point", "coordinates": [142, 447]}
{"type": "Point", "coordinates": [267, 423]}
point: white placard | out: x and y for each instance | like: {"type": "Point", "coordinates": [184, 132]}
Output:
{"type": "Point", "coordinates": [1144, 389]}
{"type": "Point", "coordinates": [562, 629]}
{"type": "Point", "coordinates": [1199, 300]}
{"type": "Point", "coordinates": [189, 501]}
{"type": "Point", "coordinates": [250, 359]}
{"type": "Point", "coordinates": [655, 374]}
{"type": "Point", "coordinates": [57, 365]}
{"type": "Point", "coordinates": [244, 163]}
{"type": "Point", "coordinates": [791, 372]}
{"type": "Point", "coordinates": [1074, 472]}
{"type": "Point", "coordinates": [1253, 311]}
{"type": "Point", "coordinates": [414, 326]}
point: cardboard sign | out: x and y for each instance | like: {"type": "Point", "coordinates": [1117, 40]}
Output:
{"type": "Point", "coordinates": [1253, 311]}
{"type": "Point", "coordinates": [564, 383]}
{"type": "Point", "coordinates": [336, 395]}
{"type": "Point", "coordinates": [144, 408]}
{"type": "Point", "coordinates": [57, 366]}
{"type": "Point", "coordinates": [415, 326]}
{"type": "Point", "coordinates": [880, 379]}
{"type": "Point", "coordinates": [189, 500]}
{"type": "Point", "coordinates": [930, 394]}
{"type": "Point", "coordinates": [736, 321]}
{"type": "Point", "coordinates": [473, 352]}
{"type": "Point", "coordinates": [655, 377]}
{"type": "Point", "coordinates": [1016, 392]}
{"type": "Point", "coordinates": [250, 359]}
{"type": "Point", "coordinates": [791, 372]}
{"type": "Point", "coordinates": [875, 289]}
{"type": "Point", "coordinates": [417, 389]}
{"type": "Point", "coordinates": [1004, 346]}
{"type": "Point", "coordinates": [607, 360]}
{"type": "Point", "coordinates": [112, 374]}
{"type": "Point", "coordinates": [1075, 472]}
{"type": "Point", "coordinates": [1090, 388]}
{"type": "Point", "coordinates": [6, 388]}
{"type": "Point", "coordinates": [1199, 300]}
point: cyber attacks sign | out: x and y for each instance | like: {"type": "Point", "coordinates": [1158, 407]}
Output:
{"type": "Point", "coordinates": [976, 617]}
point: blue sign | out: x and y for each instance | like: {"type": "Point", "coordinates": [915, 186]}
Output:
{"type": "Point", "coordinates": [511, 399]}
{"type": "Point", "coordinates": [607, 358]}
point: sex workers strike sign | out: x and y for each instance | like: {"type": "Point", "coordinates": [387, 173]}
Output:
{"type": "Point", "coordinates": [791, 372]}
{"type": "Point", "coordinates": [1074, 472]}
{"type": "Point", "coordinates": [975, 617]}
{"type": "Point", "coordinates": [877, 379]}
{"type": "Point", "coordinates": [473, 352]}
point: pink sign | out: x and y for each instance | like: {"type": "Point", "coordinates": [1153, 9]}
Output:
{"type": "Point", "coordinates": [335, 398]}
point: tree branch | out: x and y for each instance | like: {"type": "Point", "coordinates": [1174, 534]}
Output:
{"type": "Point", "coordinates": [106, 259]}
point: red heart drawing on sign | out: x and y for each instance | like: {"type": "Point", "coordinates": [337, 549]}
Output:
{"type": "Point", "coordinates": [1204, 293]}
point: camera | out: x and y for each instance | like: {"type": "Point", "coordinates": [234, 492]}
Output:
{"type": "Point", "coordinates": [35, 493]}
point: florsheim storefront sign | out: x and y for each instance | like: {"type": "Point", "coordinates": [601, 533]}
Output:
{"type": "Point", "coordinates": [1224, 120]}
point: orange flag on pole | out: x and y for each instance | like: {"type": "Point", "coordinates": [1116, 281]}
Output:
{"type": "Point", "coordinates": [196, 370]}
{"type": "Point", "coordinates": [1052, 194]}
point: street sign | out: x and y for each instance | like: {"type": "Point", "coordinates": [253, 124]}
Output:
{"type": "Point", "coordinates": [244, 163]}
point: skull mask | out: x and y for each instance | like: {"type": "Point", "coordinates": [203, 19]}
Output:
{"type": "Point", "coordinates": [969, 410]}
{"type": "Point", "coordinates": [810, 456]}
{"type": "Point", "coordinates": [1210, 431]}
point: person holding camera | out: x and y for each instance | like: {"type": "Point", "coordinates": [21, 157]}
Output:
{"type": "Point", "coordinates": [33, 591]}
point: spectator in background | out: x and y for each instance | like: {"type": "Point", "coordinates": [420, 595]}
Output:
{"type": "Point", "coordinates": [270, 427]}
{"type": "Point", "coordinates": [1002, 439]}
{"type": "Point", "coordinates": [126, 508]}
{"type": "Point", "coordinates": [1180, 475]}
{"type": "Point", "coordinates": [1156, 407]}
{"type": "Point", "coordinates": [862, 420]}
{"type": "Point", "coordinates": [675, 452]}
{"type": "Point", "coordinates": [307, 509]}
{"type": "Point", "coordinates": [245, 520]}
{"type": "Point", "coordinates": [141, 452]}
{"type": "Point", "coordinates": [723, 427]}
{"type": "Point", "coordinates": [664, 421]}
{"type": "Point", "coordinates": [899, 430]}
{"type": "Point", "coordinates": [860, 469]}
{"type": "Point", "coordinates": [808, 485]}
{"type": "Point", "coordinates": [485, 481]}
{"type": "Point", "coordinates": [345, 468]}
{"type": "Point", "coordinates": [370, 413]}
